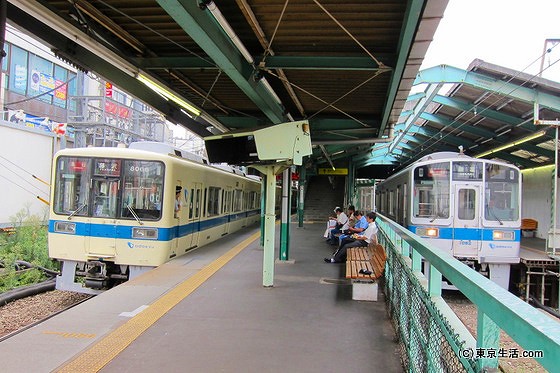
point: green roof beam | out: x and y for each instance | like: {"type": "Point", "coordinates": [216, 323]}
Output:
{"type": "Point", "coordinates": [484, 111]}
{"type": "Point", "coordinates": [208, 34]}
{"type": "Point", "coordinates": [450, 74]}
{"type": "Point", "coordinates": [411, 21]}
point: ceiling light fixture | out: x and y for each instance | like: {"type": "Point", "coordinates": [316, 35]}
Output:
{"type": "Point", "coordinates": [159, 89]}
{"type": "Point", "coordinates": [551, 166]}
{"type": "Point", "coordinates": [512, 144]}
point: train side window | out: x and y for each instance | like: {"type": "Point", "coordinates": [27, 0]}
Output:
{"type": "Point", "coordinates": [204, 202]}
{"type": "Point", "coordinates": [191, 202]}
{"type": "Point", "coordinates": [197, 204]}
{"type": "Point", "coordinates": [466, 204]}
{"type": "Point", "coordinates": [213, 201]}
{"type": "Point", "coordinates": [237, 200]}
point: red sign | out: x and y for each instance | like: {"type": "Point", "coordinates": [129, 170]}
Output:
{"type": "Point", "coordinates": [59, 128]}
{"type": "Point", "coordinates": [108, 89]}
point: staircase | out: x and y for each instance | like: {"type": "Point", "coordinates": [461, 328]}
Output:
{"type": "Point", "coordinates": [322, 197]}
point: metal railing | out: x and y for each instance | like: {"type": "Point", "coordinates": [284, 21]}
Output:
{"type": "Point", "coordinates": [431, 336]}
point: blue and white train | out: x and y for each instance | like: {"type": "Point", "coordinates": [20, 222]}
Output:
{"type": "Point", "coordinates": [113, 211]}
{"type": "Point", "coordinates": [467, 207]}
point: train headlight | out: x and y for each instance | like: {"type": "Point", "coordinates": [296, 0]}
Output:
{"type": "Point", "coordinates": [503, 235]}
{"type": "Point", "coordinates": [65, 227]}
{"type": "Point", "coordinates": [145, 233]}
{"type": "Point", "coordinates": [428, 232]}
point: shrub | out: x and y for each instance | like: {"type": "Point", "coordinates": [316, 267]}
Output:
{"type": "Point", "coordinates": [28, 243]}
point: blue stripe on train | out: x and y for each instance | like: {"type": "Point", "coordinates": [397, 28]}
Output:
{"type": "Point", "coordinates": [469, 233]}
{"type": "Point", "coordinates": [164, 234]}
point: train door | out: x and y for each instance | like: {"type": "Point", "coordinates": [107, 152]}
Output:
{"type": "Point", "coordinates": [466, 221]}
{"type": "Point", "coordinates": [104, 204]}
{"type": "Point", "coordinates": [226, 209]}
{"type": "Point", "coordinates": [178, 215]}
{"type": "Point", "coordinates": [194, 214]}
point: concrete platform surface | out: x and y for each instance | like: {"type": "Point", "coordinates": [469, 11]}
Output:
{"type": "Point", "coordinates": [306, 322]}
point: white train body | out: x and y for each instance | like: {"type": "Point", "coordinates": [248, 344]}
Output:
{"type": "Point", "coordinates": [469, 208]}
{"type": "Point", "coordinates": [113, 211]}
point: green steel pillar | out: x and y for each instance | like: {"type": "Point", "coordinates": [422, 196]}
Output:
{"type": "Point", "coordinates": [269, 219]}
{"type": "Point", "coordinates": [351, 184]}
{"type": "Point", "coordinates": [285, 221]}
{"type": "Point", "coordinates": [301, 195]}
{"type": "Point", "coordinates": [263, 209]}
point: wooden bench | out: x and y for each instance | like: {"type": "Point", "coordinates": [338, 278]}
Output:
{"type": "Point", "coordinates": [359, 259]}
{"type": "Point", "coordinates": [529, 227]}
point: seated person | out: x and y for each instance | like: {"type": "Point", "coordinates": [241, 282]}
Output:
{"type": "Point", "coordinates": [331, 224]}
{"type": "Point", "coordinates": [360, 226]}
{"type": "Point", "coordinates": [361, 240]}
{"type": "Point", "coordinates": [341, 220]}
{"type": "Point", "coordinates": [351, 217]}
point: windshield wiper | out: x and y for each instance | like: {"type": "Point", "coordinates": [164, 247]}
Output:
{"type": "Point", "coordinates": [134, 214]}
{"type": "Point", "coordinates": [491, 210]}
{"type": "Point", "coordinates": [76, 211]}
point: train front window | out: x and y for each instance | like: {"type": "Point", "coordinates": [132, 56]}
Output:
{"type": "Point", "coordinates": [143, 190]}
{"type": "Point", "coordinates": [501, 198]}
{"type": "Point", "coordinates": [431, 191]}
{"type": "Point", "coordinates": [467, 204]}
{"type": "Point", "coordinates": [72, 186]}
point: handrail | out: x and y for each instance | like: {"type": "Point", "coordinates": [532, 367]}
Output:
{"type": "Point", "coordinates": [530, 328]}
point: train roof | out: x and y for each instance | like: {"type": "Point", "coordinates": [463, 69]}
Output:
{"type": "Point", "coordinates": [162, 148]}
{"type": "Point", "coordinates": [152, 147]}
{"type": "Point", "coordinates": [443, 155]}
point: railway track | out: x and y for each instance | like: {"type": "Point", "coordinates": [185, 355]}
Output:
{"type": "Point", "coordinates": [24, 313]}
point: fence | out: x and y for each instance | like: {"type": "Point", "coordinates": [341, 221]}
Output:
{"type": "Point", "coordinates": [431, 336]}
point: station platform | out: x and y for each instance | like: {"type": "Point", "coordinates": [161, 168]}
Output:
{"type": "Point", "coordinates": [208, 311]}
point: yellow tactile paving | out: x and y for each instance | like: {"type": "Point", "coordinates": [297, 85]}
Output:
{"type": "Point", "coordinates": [102, 352]}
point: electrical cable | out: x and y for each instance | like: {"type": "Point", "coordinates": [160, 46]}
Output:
{"type": "Point", "coordinates": [268, 48]}
{"type": "Point", "coordinates": [379, 63]}
{"type": "Point", "coordinates": [422, 150]}
{"type": "Point", "coordinates": [25, 171]}
{"type": "Point", "coordinates": [157, 33]}
{"type": "Point", "coordinates": [317, 98]}
{"type": "Point", "coordinates": [40, 94]}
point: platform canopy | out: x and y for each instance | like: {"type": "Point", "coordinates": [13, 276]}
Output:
{"type": "Point", "coordinates": [345, 66]}
{"type": "Point", "coordinates": [486, 110]}
{"type": "Point", "coordinates": [349, 68]}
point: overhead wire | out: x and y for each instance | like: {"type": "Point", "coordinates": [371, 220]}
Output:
{"type": "Point", "coordinates": [347, 93]}
{"type": "Point", "coordinates": [158, 33]}
{"type": "Point", "coordinates": [22, 187]}
{"type": "Point", "coordinates": [454, 130]}
{"type": "Point", "coordinates": [21, 177]}
{"type": "Point", "coordinates": [317, 98]}
{"type": "Point", "coordinates": [40, 94]}
{"type": "Point", "coordinates": [379, 63]}
{"type": "Point", "coordinates": [383, 68]}
{"type": "Point", "coordinates": [269, 46]}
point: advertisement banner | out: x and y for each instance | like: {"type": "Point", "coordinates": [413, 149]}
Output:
{"type": "Point", "coordinates": [60, 91]}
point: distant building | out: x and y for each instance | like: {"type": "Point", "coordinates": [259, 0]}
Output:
{"type": "Point", "coordinates": [48, 104]}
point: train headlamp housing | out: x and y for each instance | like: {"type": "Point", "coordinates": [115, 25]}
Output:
{"type": "Point", "coordinates": [498, 235]}
{"type": "Point", "coordinates": [430, 232]}
{"type": "Point", "coordinates": [145, 233]}
{"type": "Point", "coordinates": [65, 227]}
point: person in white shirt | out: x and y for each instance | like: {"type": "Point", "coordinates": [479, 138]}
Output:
{"type": "Point", "coordinates": [341, 221]}
{"type": "Point", "coordinates": [361, 240]}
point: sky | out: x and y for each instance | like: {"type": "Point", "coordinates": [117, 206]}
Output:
{"type": "Point", "coordinates": [508, 33]}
